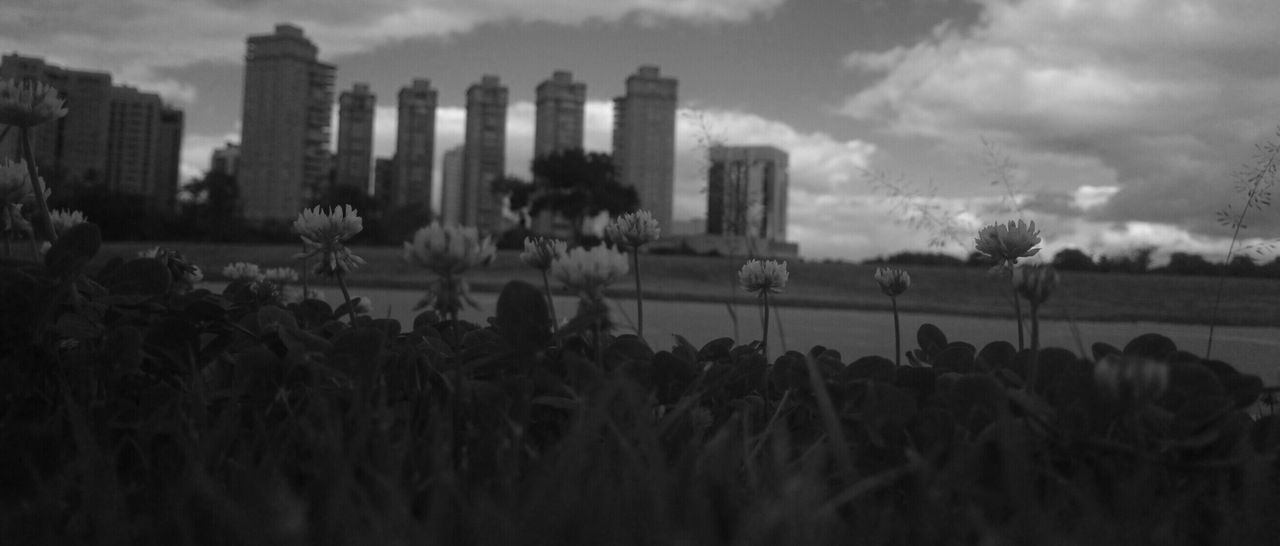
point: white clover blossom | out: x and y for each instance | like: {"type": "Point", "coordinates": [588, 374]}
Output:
{"type": "Point", "coordinates": [323, 233]}
{"type": "Point", "coordinates": [893, 281]}
{"type": "Point", "coordinates": [633, 230]}
{"type": "Point", "coordinates": [1035, 282]}
{"type": "Point", "coordinates": [362, 305]}
{"type": "Point", "coordinates": [29, 103]}
{"type": "Point", "coordinates": [449, 250]}
{"type": "Point", "coordinates": [1007, 243]}
{"type": "Point", "coordinates": [280, 275]}
{"type": "Point", "coordinates": [589, 271]}
{"type": "Point", "coordinates": [763, 277]}
{"type": "Point", "coordinates": [539, 252]}
{"type": "Point", "coordinates": [242, 271]}
{"type": "Point", "coordinates": [63, 220]}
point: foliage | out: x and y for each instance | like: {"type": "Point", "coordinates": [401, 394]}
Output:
{"type": "Point", "coordinates": [1073, 259]}
{"type": "Point", "coordinates": [579, 185]}
{"type": "Point", "coordinates": [132, 412]}
{"type": "Point", "coordinates": [917, 258]}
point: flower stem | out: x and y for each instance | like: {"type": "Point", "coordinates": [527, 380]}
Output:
{"type": "Point", "coordinates": [551, 304]}
{"type": "Point", "coordinates": [1017, 312]}
{"type": "Point", "coordinates": [1034, 365]}
{"type": "Point", "coordinates": [635, 258]}
{"type": "Point", "coordinates": [764, 340]}
{"type": "Point", "coordinates": [30, 157]}
{"type": "Point", "coordinates": [897, 333]}
{"type": "Point", "coordinates": [351, 311]}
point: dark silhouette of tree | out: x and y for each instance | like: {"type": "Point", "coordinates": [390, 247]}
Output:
{"type": "Point", "coordinates": [579, 185]}
{"type": "Point", "coordinates": [1073, 259]}
{"type": "Point", "coordinates": [1182, 263]}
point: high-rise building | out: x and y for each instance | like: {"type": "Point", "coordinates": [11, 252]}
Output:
{"type": "Point", "coordinates": [73, 150]}
{"type": "Point", "coordinates": [415, 144]}
{"type": "Point", "coordinates": [124, 139]}
{"type": "Point", "coordinates": [168, 160]}
{"type": "Point", "coordinates": [131, 141]}
{"type": "Point", "coordinates": [284, 137]}
{"type": "Point", "coordinates": [355, 137]}
{"type": "Point", "coordinates": [225, 160]}
{"type": "Point", "coordinates": [451, 185]}
{"type": "Point", "coordinates": [484, 157]}
{"type": "Point", "coordinates": [561, 107]}
{"type": "Point", "coordinates": [644, 140]}
{"type": "Point", "coordinates": [384, 178]}
{"type": "Point", "coordinates": [747, 192]}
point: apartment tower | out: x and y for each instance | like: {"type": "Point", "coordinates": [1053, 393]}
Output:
{"type": "Point", "coordinates": [73, 150]}
{"type": "Point", "coordinates": [118, 137]}
{"type": "Point", "coordinates": [354, 161]}
{"type": "Point", "coordinates": [558, 121]}
{"type": "Point", "coordinates": [415, 145]}
{"type": "Point", "coordinates": [451, 185]}
{"type": "Point", "coordinates": [747, 192]}
{"type": "Point", "coordinates": [484, 155]}
{"type": "Point", "coordinates": [644, 140]}
{"type": "Point", "coordinates": [284, 139]}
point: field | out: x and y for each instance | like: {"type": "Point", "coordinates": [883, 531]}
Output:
{"type": "Point", "coordinates": [938, 290]}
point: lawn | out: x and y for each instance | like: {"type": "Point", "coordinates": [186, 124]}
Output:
{"type": "Point", "coordinates": [944, 290]}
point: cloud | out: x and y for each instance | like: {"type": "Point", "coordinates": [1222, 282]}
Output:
{"type": "Point", "coordinates": [131, 38]}
{"type": "Point", "coordinates": [1158, 100]}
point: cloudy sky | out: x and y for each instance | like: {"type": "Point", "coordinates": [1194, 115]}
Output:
{"type": "Point", "coordinates": [1112, 123]}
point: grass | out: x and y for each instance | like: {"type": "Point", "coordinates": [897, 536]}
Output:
{"type": "Point", "coordinates": [941, 290]}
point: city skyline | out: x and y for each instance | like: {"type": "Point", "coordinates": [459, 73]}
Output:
{"type": "Point", "coordinates": [1118, 125]}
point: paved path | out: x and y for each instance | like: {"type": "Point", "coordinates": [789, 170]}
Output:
{"type": "Point", "coordinates": [855, 334]}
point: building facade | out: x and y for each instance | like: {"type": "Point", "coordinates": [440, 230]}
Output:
{"type": "Point", "coordinates": [747, 192]}
{"type": "Point", "coordinates": [225, 160]}
{"type": "Point", "coordinates": [354, 159]}
{"type": "Point", "coordinates": [558, 126]}
{"type": "Point", "coordinates": [644, 140]}
{"type": "Point", "coordinates": [168, 160]}
{"type": "Point", "coordinates": [484, 155]}
{"type": "Point", "coordinates": [451, 185]}
{"type": "Point", "coordinates": [71, 151]}
{"type": "Point", "coordinates": [117, 137]}
{"type": "Point", "coordinates": [284, 139]}
{"type": "Point", "coordinates": [560, 109]}
{"type": "Point", "coordinates": [415, 144]}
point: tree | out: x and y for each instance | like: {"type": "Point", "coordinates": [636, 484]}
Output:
{"type": "Point", "coordinates": [518, 193]}
{"type": "Point", "coordinates": [579, 185]}
{"type": "Point", "coordinates": [1073, 259]}
{"type": "Point", "coordinates": [1182, 263]}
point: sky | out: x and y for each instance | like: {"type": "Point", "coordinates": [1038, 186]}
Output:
{"type": "Point", "coordinates": [1113, 124]}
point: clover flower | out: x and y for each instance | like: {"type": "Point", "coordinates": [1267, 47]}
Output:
{"type": "Point", "coordinates": [1035, 282]}
{"type": "Point", "coordinates": [589, 271]}
{"type": "Point", "coordinates": [323, 234]}
{"type": "Point", "coordinates": [29, 103]}
{"type": "Point", "coordinates": [893, 281]}
{"type": "Point", "coordinates": [449, 250]}
{"type": "Point", "coordinates": [280, 275]}
{"type": "Point", "coordinates": [242, 271]}
{"type": "Point", "coordinates": [362, 305]}
{"type": "Point", "coordinates": [763, 277]}
{"type": "Point", "coordinates": [633, 229]}
{"type": "Point", "coordinates": [1006, 244]}
{"type": "Point", "coordinates": [539, 252]}
{"type": "Point", "coordinates": [63, 220]}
